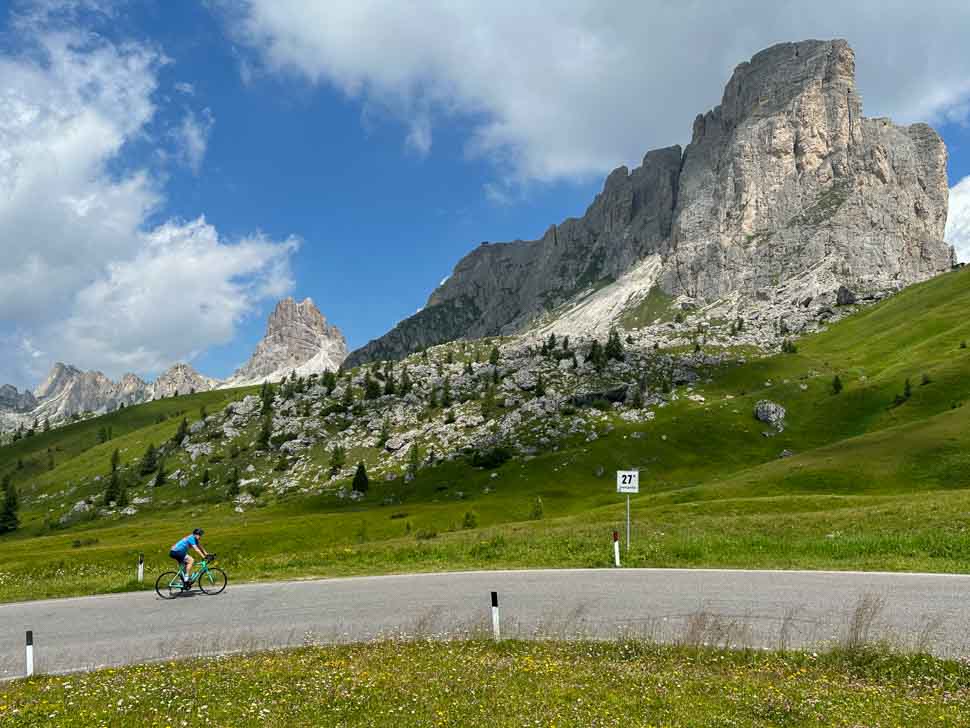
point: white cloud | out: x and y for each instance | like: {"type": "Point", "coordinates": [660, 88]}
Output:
{"type": "Point", "coordinates": [183, 87]}
{"type": "Point", "coordinates": [192, 136]}
{"type": "Point", "coordinates": [574, 88]}
{"type": "Point", "coordinates": [958, 221]}
{"type": "Point", "coordinates": [84, 278]}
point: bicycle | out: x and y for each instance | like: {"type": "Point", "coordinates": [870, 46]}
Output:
{"type": "Point", "coordinates": [210, 579]}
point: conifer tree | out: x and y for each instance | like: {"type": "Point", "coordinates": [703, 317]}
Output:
{"type": "Point", "coordinates": [836, 384]}
{"type": "Point", "coordinates": [232, 489]}
{"type": "Point", "coordinates": [540, 389]}
{"type": "Point", "coordinates": [372, 390]}
{"type": "Point", "coordinates": [446, 398]}
{"type": "Point", "coordinates": [361, 481]}
{"type": "Point", "coordinates": [597, 357]}
{"type": "Point", "coordinates": [405, 382]}
{"type": "Point", "coordinates": [9, 518]}
{"type": "Point", "coordinates": [265, 433]}
{"type": "Point", "coordinates": [149, 460]}
{"type": "Point", "coordinates": [180, 433]}
{"type": "Point", "coordinates": [160, 475]}
{"type": "Point", "coordinates": [414, 460]}
{"type": "Point", "coordinates": [113, 491]}
{"type": "Point", "coordinates": [614, 347]}
{"type": "Point", "coordinates": [494, 356]}
{"type": "Point", "coordinates": [206, 477]}
{"type": "Point", "coordinates": [337, 459]}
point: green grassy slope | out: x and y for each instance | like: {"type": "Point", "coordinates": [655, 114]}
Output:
{"type": "Point", "coordinates": [869, 484]}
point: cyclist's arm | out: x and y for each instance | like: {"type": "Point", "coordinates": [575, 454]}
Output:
{"type": "Point", "coordinates": [200, 551]}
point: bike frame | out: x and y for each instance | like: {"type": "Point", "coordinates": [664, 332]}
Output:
{"type": "Point", "coordinates": [203, 568]}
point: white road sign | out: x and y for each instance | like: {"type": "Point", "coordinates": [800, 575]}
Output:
{"type": "Point", "coordinates": [627, 481]}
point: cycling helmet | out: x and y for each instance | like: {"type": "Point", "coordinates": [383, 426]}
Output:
{"type": "Point", "coordinates": [197, 532]}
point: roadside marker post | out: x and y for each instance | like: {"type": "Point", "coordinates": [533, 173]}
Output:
{"type": "Point", "coordinates": [627, 481]}
{"type": "Point", "coordinates": [30, 652]}
{"type": "Point", "coordinates": [141, 567]}
{"type": "Point", "coordinates": [616, 547]}
{"type": "Point", "coordinates": [495, 623]}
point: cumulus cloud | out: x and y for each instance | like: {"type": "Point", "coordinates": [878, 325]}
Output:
{"type": "Point", "coordinates": [575, 88]}
{"type": "Point", "coordinates": [958, 221]}
{"type": "Point", "coordinates": [84, 277]}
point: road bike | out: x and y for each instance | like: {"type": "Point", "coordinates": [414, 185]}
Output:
{"type": "Point", "coordinates": [210, 579]}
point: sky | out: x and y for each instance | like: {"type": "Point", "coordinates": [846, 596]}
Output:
{"type": "Point", "coordinates": [168, 171]}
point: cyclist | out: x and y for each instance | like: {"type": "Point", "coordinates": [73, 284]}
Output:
{"type": "Point", "coordinates": [180, 552]}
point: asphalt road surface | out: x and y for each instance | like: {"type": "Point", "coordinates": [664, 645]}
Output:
{"type": "Point", "coordinates": [736, 608]}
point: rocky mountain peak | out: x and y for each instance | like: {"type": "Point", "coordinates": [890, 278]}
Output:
{"type": "Point", "coordinates": [785, 186]}
{"type": "Point", "coordinates": [181, 379]}
{"type": "Point", "coordinates": [14, 400]}
{"type": "Point", "coordinates": [298, 338]}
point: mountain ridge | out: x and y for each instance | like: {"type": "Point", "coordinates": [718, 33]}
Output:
{"type": "Point", "coordinates": [783, 179]}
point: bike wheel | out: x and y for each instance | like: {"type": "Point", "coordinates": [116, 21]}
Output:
{"type": "Point", "coordinates": [168, 585]}
{"type": "Point", "coordinates": [213, 581]}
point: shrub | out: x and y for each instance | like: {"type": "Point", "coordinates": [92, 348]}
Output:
{"type": "Point", "coordinates": [538, 511]}
{"type": "Point", "coordinates": [424, 534]}
{"type": "Point", "coordinates": [492, 457]}
{"type": "Point", "coordinates": [9, 520]}
{"type": "Point", "coordinates": [788, 347]}
{"type": "Point", "coordinates": [149, 461]}
{"type": "Point", "coordinates": [470, 520]}
{"type": "Point", "coordinates": [836, 384]}
{"type": "Point", "coordinates": [925, 379]}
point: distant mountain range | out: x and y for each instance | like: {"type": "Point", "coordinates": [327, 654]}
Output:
{"type": "Point", "coordinates": [298, 338]}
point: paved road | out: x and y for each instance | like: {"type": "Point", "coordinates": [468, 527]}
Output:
{"type": "Point", "coordinates": [753, 608]}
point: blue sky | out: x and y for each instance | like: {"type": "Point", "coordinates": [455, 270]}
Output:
{"type": "Point", "coordinates": [351, 155]}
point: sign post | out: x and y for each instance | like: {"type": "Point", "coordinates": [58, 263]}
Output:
{"type": "Point", "coordinates": [627, 481]}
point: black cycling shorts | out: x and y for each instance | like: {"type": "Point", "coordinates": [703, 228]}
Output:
{"type": "Point", "coordinates": [178, 555]}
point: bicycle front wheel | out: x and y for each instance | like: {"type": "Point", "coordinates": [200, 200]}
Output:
{"type": "Point", "coordinates": [213, 581]}
{"type": "Point", "coordinates": [168, 585]}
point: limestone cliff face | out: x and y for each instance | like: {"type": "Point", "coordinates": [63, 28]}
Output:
{"type": "Point", "coordinates": [13, 400]}
{"type": "Point", "coordinates": [786, 174]}
{"type": "Point", "coordinates": [298, 338]}
{"type": "Point", "coordinates": [784, 178]}
{"type": "Point", "coordinates": [181, 379]}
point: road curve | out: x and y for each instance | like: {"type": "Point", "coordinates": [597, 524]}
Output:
{"type": "Point", "coordinates": [743, 608]}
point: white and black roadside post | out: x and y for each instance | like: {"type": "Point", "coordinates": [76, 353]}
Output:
{"type": "Point", "coordinates": [616, 548]}
{"type": "Point", "coordinates": [496, 633]}
{"type": "Point", "coordinates": [30, 652]}
{"type": "Point", "coordinates": [627, 481]}
{"type": "Point", "coordinates": [141, 567]}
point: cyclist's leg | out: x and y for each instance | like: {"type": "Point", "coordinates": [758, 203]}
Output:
{"type": "Point", "coordinates": [188, 567]}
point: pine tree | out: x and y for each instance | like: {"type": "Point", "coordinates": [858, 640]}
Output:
{"type": "Point", "coordinates": [597, 357]}
{"type": "Point", "coordinates": [361, 481]}
{"type": "Point", "coordinates": [266, 397]}
{"type": "Point", "coordinates": [47, 424]}
{"type": "Point", "coordinates": [907, 389]}
{"type": "Point", "coordinates": [494, 356]}
{"type": "Point", "coordinates": [265, 433]}
{"type": "Point", "coordinates": [233, 488]}
{"type": "Point", "coordinates": [446, 398]}
{"type": "Point", "coordinates": [414, 460]}
{"type": "Point", "coordinates": [540, 389]}
{"type": "Point", "coordinates": [468, 368]}
{"type": "Point", "coordinates": [149, 460]}
{"type": "Point", "coordinates": [181, 433]}
{"type": "Point", "coordinates": [637, 402]}
{"type": "Point", "coordinates": [372, 390]}
{"type": "Point", "coordinates": [337, 460]}
{"type": "Point", "coordinates": [203, 413]}
{"type": "Point", "coordinates": [206, 477]}
{"type": "Point", "coordinates": [390, 386]}
{"type": "Point", "coordinates": [385, 434]}
{"type": "Point", "coordinates": [9, 520]}
{"type": "Point", "coordinates": [122, 500]}
{"type": "Point", "coordinates": [347, 401]}
{"type": "Point", "coordinates": [836, 384]}
{"type": "Point", "coordinates": [113, 491]}
{"type": "Point", "coordinates": [614, 347]}
{"type": "Point", "coordinates": [160, 475]}
{"type": "Point", "coordinates": [405, 382]}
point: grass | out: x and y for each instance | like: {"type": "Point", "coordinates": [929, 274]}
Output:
{"type": "Point", "coordinates": [655, 306]}
{"type": "Point", "coordinates": [869, 486]}
{"type": "Point", "coordinates": [512, 683]}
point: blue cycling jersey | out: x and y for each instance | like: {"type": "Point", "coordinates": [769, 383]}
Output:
{"type": "Point", "coordinates": [183, 545]}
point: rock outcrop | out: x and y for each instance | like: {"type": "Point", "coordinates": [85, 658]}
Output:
{"type": "Point", "coordinates": [784, 180]}
{"type": "Point", "coordinates": [298, 338]}
{"type": "Point", "coordinates": [13, 400]}
{"type": "Point", "coordinates": [181, 379]}
{"type": "Point", "coordinates": [68, 391]}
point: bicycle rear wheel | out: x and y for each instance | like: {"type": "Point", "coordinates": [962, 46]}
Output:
{"type": "Point", "coordinates": [213, 581]}
{"type": "Point", "coordinates": [168, 585]}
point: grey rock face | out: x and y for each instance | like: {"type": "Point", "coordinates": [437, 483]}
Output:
{"type": "Point", "coordinates": [181, 379]}
{"type": "Point", "coordinates": [16, 401]}
{"type": "Point", "coordinates": [298, 338]}
{"type": "Point", "coordinates": [784, 179]}
{"type": "Point", "coordinates": [67, 391]}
